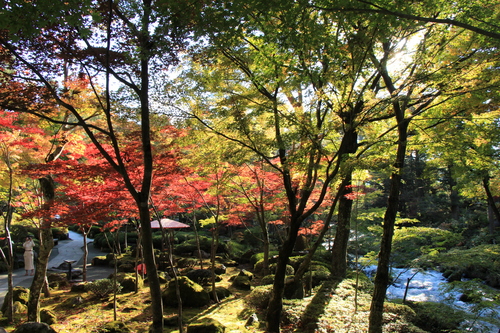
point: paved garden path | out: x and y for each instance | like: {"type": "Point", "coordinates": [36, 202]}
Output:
{"type": "Point", "coordinates": [70, 249]}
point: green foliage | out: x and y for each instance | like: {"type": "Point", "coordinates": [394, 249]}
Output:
{"type": "Point", "coordinates": [60, 233]}
{"type": "Point", "coordinates": [236, 249]}
{"type": "Point", "coordinates": [103, 287]}
{"type": "Point", "coordinates": [483, 300]}
{"type": "Point", "coordinates": [482, 262]}
{"type": "Point", "coordinates": [189, 246]}
{"type": "Point", "coordinates": [260, 256]}
{"type": "Point", "coordinates": [412, 242]}
{"type": "Point", "coordinates": [436, 317]}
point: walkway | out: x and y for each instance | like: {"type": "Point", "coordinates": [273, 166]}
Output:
{"type": "Point", "coordinates": [70, 249]}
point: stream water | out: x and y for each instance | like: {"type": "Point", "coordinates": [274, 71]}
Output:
{"type": "Point", "coordinates": [428, 286]}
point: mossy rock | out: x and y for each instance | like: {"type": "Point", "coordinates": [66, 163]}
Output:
{"type": "Point", "coordinates": [268, 279]}
{"type": "Point", "coordinates": [78, 287]}
{"type": "Point", "coordinates": [58, 280]}
{"type": "Point", "coordinates": [221, 293]}
{"type": "Point", "coordinates": [172, 321]}
{"type": "Point", "coordinates": [242, 282]}
{"type": "Point", "coordinates": [202, 276]}
{"type": "Point", "coordinates": [436, 317]}
{"type": "Point", "coordinates": [480, 262]}
{"type": "Point", "coordinates": [127, 281]}
{"type": "Point", "coordinates": [192, 294]}
{"type": "Point", "coordinates": [19, 307]}
{"type": "Point", "coordinates": [20, 294]}
{"type": "Point", "coordinates": [126, 267]}
{"type": "Point", "coordinates": [100, 261]}
{"type": "Point", "coordinates": [48, 317]}
{"type": "Point", "coordinates": [32, 327]}
{"type": "Point", "coordinates": [316, 275]}
{"type": "Point", "coordinates": [187, 262]}
{"type": "Point", "coordinates": [220, 269]}
{"type": "Point", "coordinates": [114, 327]}
{"type": "Point", "coordinates": [259, 297]}
{"type": "Point", "coordinates": [246, 273]}
{"type": "Point", "coordinates": [206, 325]}
{"type": "Point", "coordinates": [294, 289]}
{"type": "Point", "coordinates": [288, 271]}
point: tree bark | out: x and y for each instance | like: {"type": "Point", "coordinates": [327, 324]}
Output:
{"type": "Point", "coordinates": [273, 316]}
{"type": "Point", "coordinates": [382, 276]}
{"type": "Point", "coordinates": [491, 204]}
{"type": "Point", "coordinates": [46, 244]}
{"type": "Point", "coordinates": [339, 250]}
{"type": "Point", "coordinates": [149, 260]}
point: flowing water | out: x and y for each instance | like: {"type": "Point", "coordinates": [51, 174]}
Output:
{"type": "Point", "coordinates": [428, 286]}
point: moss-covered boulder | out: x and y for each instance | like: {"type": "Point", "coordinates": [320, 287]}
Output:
{"type": "Point", "coordinates": [246, 273]}
{"type": "Point", "coordinates": [220, 269]}
{"type": "Point", "coordinates": [242, 282]}
{"type": "Point", "coordinates": [480, 262]}
{"type": "Point", "coordinates": [48, 317]}
{"type": "Point", "coordinates": [316, 275]}
{"type": "Point", "coordinates": [192, 294]}
{"type": "Point", "coordinates": [58, 280]}
{"type": "Point", "coordinates": [20, 294]}
{"type": "Point", "coordinates": [127, 267]}
{"type": "Point", "coordinates": [206, 325]}
{"type": "Point", "coordinates": [221, 293]}
{"type": "Point", "coordinates": [18, 307]}
{"type": "Point", "coordinates": [202, 276]}
{"type": "Point", "coordinates": [32, 327]}
{"type": "Point", "coordinates": [78, 287]}
{"type": "Point", "coordinates": [100, 261]}
{"type": "Point", "coordinates": [128, 281]}
{"type": "Point", "coordinates": [259, 297]}
{"type": "Point", "coordinates": [114, 327]}
{"type": "Point", "coordinates": [436, 317]}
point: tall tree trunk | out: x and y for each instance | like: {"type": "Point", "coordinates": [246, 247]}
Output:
{"type": "Point", "coordinates": [213, 250]}
{"type": "Point", "coordinates": [273, 316]}
{"type": "Point", "coordinates": [9, 258]}
{"type": "Point", "coordinates": [454, 196]}
{"type": "Point", "coordinates": [150, 261]}
{"type": "Point", "coordinates": [382, 276]}
{"type": "Point", "coordinates": [339, 250]}
{"type": "Point", "coordinates": [491, 205]}
{"type": "Point", "coordinates": [46, 244]}
{"type": "Point", "coordinates": [85, 253]}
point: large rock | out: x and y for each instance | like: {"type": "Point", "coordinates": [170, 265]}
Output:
{"type": "Point", "coordinates": [48, 317]}
{"type": "Point", "coordinates": [202, 276]}
{"type": "Point", "coordinates": [127, 281]}
{"type": "Point", "coordinates": [206, 325]}
{"type": "Point", "coordinates": [58, 280]}
{"type": "Point", "coordinates": [21, 295]}
{"type": "Point", "coordinates": [192, 294]}
{"type": "Point", "coordinates": [32, 327]}
{"type": "Point", "coordinates": [242, 282]}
